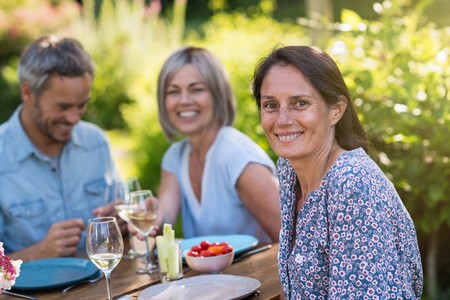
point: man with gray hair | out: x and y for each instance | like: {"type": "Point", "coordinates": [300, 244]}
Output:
{"type": "Point", "coordinates": [54, 166]}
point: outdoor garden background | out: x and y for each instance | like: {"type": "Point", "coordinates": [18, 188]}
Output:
{"type": "Point", "coordinates": [395, 56]}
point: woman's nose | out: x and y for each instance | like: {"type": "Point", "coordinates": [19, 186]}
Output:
{"type": "Point", "coordinates": [284, 116]}
{"type": "Point", "coordinates": [185, 97]}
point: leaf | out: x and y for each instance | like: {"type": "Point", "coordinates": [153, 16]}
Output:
{"type": "Point", "coordinates": [350, 17]}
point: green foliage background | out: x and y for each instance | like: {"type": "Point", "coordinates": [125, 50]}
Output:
{"type": "Point", "coordinates": [397, 67]}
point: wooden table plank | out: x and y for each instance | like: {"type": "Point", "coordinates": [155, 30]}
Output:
{"type": "Point", "coordinates": [261, 266]}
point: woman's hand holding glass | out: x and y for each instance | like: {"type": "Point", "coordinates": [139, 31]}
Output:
{"type": "Point", "coordinates": [104, 246]}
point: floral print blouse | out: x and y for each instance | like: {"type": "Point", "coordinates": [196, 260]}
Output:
{"type": "Point", "coordinates": [354, 237]}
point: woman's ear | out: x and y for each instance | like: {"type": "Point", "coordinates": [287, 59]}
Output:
{"type": "Point", "coordinates": [338, 110]}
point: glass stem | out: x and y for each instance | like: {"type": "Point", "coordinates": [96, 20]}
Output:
{"type": "Point", "coordinates": [108, 285]}
{"type": "Point", "coordinates": [147, 248]}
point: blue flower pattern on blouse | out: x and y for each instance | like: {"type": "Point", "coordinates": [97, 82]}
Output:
{"type": "Point", "coordinates": [354, 237]}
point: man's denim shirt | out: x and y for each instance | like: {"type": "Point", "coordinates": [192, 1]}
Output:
{"type": "Point", "coordinates": [36, 192]}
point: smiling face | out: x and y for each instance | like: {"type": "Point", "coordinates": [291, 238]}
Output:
{"type": "Point", "coordinates": [189, 102]}
{"type": "Point", "coordinates": [295, 118]}
{"type": "Point", "coordinates": [50, 116]}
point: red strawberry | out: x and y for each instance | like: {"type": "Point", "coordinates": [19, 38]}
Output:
{"type": "Point", "coordinates": [196, 248]}
{"type": "Point", "coordinates": [204, 245]}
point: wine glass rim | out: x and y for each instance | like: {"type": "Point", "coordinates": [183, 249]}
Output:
{"type": "Point", "coordinates": [102, 220]}
{"type": "Point", "coordinates": [141, 192]}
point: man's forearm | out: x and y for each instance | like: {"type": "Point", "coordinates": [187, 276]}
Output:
{"type": "Point", "coordinates": [27, 254]}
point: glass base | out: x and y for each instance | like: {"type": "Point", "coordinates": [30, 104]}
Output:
{"type": "Point", "coordinates": [141, 265]}
{"type": "Point", "coordinates": [165, 278]}
{"type": "Point", "coordinates": [152, 268]}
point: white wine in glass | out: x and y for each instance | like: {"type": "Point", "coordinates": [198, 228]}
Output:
{"type": "Point", "coordinates": [142, 214]}
{"type": "Point", "coordinates": [104, 246]}
{"type": "Point", "coordinates": [141, 220]}
{"type": "Point", "coordinates": [122, 190]}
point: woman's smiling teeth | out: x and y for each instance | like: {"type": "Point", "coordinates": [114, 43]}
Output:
{"type": "Point", "coordinates": [288, 137]}
{"type": "Point", "coordinates": [187, 114]}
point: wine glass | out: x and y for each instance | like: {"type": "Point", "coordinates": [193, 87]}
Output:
{"type": "Point", "coordinates": [104, 246]}
{"type": "Point", "coordinates": [122, 190]}
{"type": "Point", "coordinates": [142, 213]}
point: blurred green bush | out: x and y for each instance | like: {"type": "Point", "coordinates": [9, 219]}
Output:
{"type": "Point", "coordinates": [20, 22]}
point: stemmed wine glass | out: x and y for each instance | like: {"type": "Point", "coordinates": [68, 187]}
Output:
{"type": "Point", "coordinates": [104, 246]}
{"type": "Point", "coordinates": [122, 190]}
{"type": "Point", "coordinates": [142, 213]}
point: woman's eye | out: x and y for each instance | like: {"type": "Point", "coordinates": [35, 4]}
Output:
{"type": "Point", "coordinates": [300, 103]}
{"type": "Point", "coordinates": [270, 106]}
{"type": "Point", "coordinates": [198, 90]}
{"type": "Point", "coordinates": [171, 92]}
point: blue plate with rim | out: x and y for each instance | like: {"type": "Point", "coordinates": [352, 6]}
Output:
{"type": "Point", "coordinates": [51, 273]}
{"type": "Point", "coordinates": [239, 242]}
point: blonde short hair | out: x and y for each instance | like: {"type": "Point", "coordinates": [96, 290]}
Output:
{"type": "Point", "coordinates": [214, 76]}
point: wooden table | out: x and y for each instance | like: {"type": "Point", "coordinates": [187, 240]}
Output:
{"type": "Point", "coordinates": [261, 266]}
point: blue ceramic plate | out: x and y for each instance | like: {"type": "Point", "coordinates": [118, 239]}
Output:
{"type": "Point", "coordinates": [239, 242]}
{"type": "Point", "coordinates": [53, 273]}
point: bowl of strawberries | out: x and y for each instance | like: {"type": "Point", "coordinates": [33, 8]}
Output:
{"type": "Point", "coordinates": [209, 258]}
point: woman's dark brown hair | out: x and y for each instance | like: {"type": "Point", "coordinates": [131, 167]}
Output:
{"type": "Point", "coordinates": [321, 71]}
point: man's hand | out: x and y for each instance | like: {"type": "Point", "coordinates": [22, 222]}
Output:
{"type": "Point", "coordinates": [62, 239]}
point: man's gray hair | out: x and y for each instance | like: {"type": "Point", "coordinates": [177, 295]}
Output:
{"type": "Point", "coordinates": [50, 55]}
